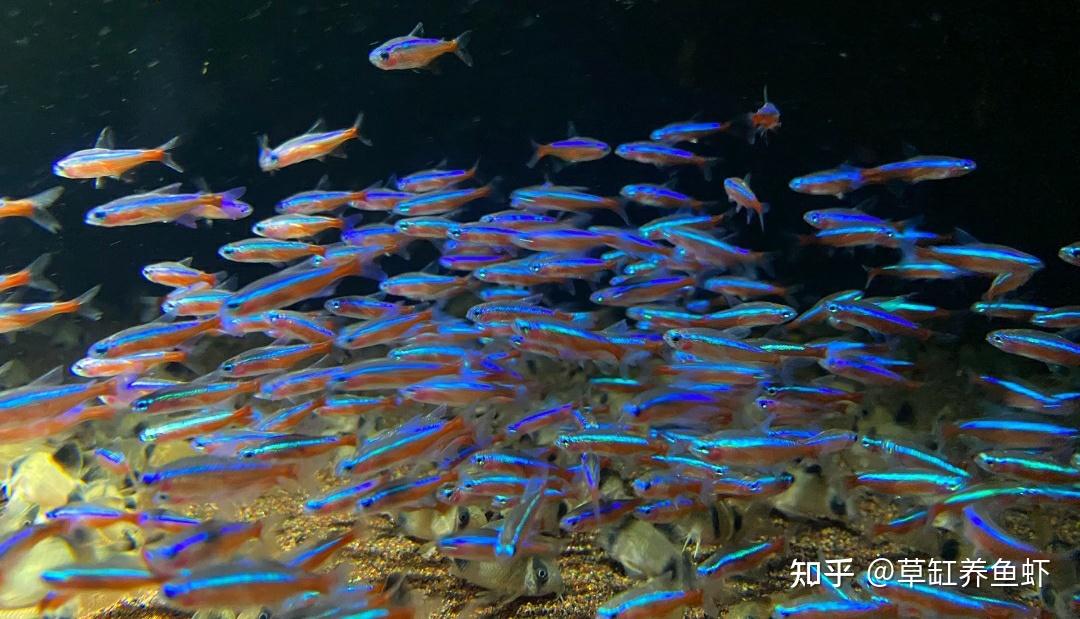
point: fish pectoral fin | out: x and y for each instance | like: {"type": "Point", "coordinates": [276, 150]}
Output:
{"type": "Point", "coordinates": [338, 152]}
{"type": "Point", "coordinates": [99, 182]}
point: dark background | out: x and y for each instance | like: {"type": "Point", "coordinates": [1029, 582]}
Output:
{"type": "Point", "coordinates": [989, 81]}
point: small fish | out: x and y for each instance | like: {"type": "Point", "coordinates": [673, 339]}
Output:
{"type": "Point", "coordinates": [321, 199]}
{"type": "Point", "coordinates": [412, 51]}
{"type": "Point", "coordinates": [202, 477]}
{"type": "Point", "coordinates": [428, 227]}
{"type": "Point", "coordinates": [825, 219]}
{"type": "Point", "coordinates": [661, 196]}
{"type": "Point", "coordinates": [270, 251]}
{"type": "Point", "coordinates": [919, 169]}
{"type": "Point", "coordinates": [744, 288]}
{"type": "Point", "coordinates": [1046, 347]}
{"type": "Point", "coordinates": [1013, 433]}
{"type": "Point", "coordinates": [417, 438]}
{"type": "Point", "coordinates": [244, 583]}
{"type": "Point", "coordinates": [439, 202]}
{"type": "Point", "coordinates": [917, 270]}
{"type": "Point", "coordinates": [650, 600]}
{"type": "Point", "coordinates": [316, 143]}
{"type": "Point", "coordinates": [904, 483]}
{"type": "Point", "coordinates": [523, 577]}
{"type": "Point", "coordinates": [271, 359]}
{"type": "Point", "coordinates": [981, 258]}
{"type": "Point", "coordinates": [574, 149]}
{"type": "Point", "coordinates": [688, 131]}
{"type": "Point", "coordinates": [874, 319]}
{"type": "Point", "coordinates": [195, 424]}
{"type": "Point", "coordinates": [643, 292]}
{"type": "Point", "coordinates": [188, 396]}
{"type": "Point", "coordinates": [102, 161]}
{"type": "Point", "coordinates": [17, 317]}
{"type": "Point", "coordinates": [726, 564]}
{"type": "Point", "coordinates": [739, 193]}
{"type": "Point", "coordinates": [1019, 465]}
{"type": "Point", "coordinates": [706, 248]}
{"type": "Point", "coordinates": [178, 274]}
{"type": "Point", "coordinates": [292, 226]}
{"type": "Point", "coordinates": [1058, 318]}
{"type": "Point", "coordinates": [661, 155]}
{"type": "Point", "coordinates": [836, 182]}
{"type": "Point", "coordinates": [435, 180]}
{"type": "Point", "coordinates": [558, 198]}
{"type": "Point", "coordinates": [290, 286]}
{"type": "Point", "coordinates": [35, 208]}
{"type": "Point", "coordinates": [167, 205]}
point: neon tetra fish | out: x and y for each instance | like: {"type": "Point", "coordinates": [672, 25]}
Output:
{"type": "Point", "coordinates": [918, 169]}
{"type": "Point", "coordinates": [836, 182]}
{"type": "Point", "coordinates": [739, 192]}
{"type": "Point", "coordinates": [15, 317]}
{"type": "Point", "coordinates": [102, 161]}
{"type": "Point", "coordinates": [413, 51]}
{"type": "Point", "coordinates": [34, 208]}
{"type": "Point", "coordinates": [663, 155]}
{"type": "Point", "coordinates": [316, 143]}
{"type": "Point", "coordinates": [435, 180]}
{"type": "Point", "coordinates": [574, 149]}
{"type": "Point", "coordinates": [165, 204]}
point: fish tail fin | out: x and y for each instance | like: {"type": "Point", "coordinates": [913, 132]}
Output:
{"type": "Point", "coordinates": [538, 153]}
{"type": "Point", "coordinates": [356, 128]}
{"type": "Point", "coordinates": [83, 304]}
{"type": "Point", "coordinates": [166, 156]}
{"type": "Point", "coordinates": [459, 47]}
{"type": "Point", "coordinates": [39, 205]}
{"type": "Point", "coordinates": [37, 274]}
{"type": "Point", "coordinates": [707, 164]}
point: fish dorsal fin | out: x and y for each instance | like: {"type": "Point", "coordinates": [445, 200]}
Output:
{"type": "Point", "coordinates": [105, 139]}
{"type": "Point", "coordinates": [963, 237]}
{"type": "Point", "coordinates": [323, 183]}
{"type": "Point", "coordinates": [909, 150]}
{"type": "Point", "coordinates": [571, 130]}
{"type": "Point", "coordinates": [201, 184]}
{"type": "Point", "coordinates": [53, 377]}
{"type": "Point", "coordinates": [418, 30]}
{"type": "Point", "coordinates": [170, 188]}
{"type": "Point", "coordinates": [318, 127]}
{"type": "Point", "coordinates": [765, 93]}
{"type": "Point", "coordinates": [186, 261]}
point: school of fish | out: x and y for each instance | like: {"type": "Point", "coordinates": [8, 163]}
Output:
{"type": "Point", "coordinates": [488, 409]}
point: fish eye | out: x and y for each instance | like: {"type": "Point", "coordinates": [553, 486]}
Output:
{"type": "Point", "coordinates": [140, 406]}
{"type": "Point", "coordinates": [384, 55]}
{"type": "Point", "coordinates": [101, 349]}
{"type": "Point", "coordinates": [463, 517]}
{"type": "Point", "coordinates": [997, 338]}
{"type": "Point", "coordinates": [232, 304]}
{"type": "Point", "coordinates": [541, 575]}
{"type": "Point", "coordinates": [228, 366]}
{"type": "Point", "coordinates": [98, 215]}
{"type": "Point", "coordinates": [675, 338]}
{"type": "Point", "coordinates": [832, 308]}
{"type": "Point", "coordinates": [228, 251]}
